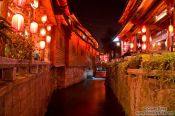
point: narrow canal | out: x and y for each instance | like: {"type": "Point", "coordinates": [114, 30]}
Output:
{"type": "Point", "coordinates": [89, 98]}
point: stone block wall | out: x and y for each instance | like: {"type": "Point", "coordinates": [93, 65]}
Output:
{"type": "Point", "coordinates": [27, 96]}
{"type": "Point", "coordinates": [73, 75]}
{"type": "Point", "coordinates": [135, 92]}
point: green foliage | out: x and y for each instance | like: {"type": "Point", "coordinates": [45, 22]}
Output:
{"type": "Point", "coordinates": [162, 63]}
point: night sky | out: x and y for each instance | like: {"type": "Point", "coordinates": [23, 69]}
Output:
{"type": "Point", "coordinates": [98, 16]}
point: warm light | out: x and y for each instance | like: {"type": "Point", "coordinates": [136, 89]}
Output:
{"type": "Point", "coordinates": [8, 14]}
{"type": "Point", "coordinates": [150, 39]}
{"type": "Point", "coordinates": [161, 15]}
{"type": "Point", "coordinates": [48, 38]}
{"type": "Point", "coordinates": [33, 27]}
{"type": "Point", "coordinates": [143, 38]}
{"type": "Point", "coordinates": [18, 22]}
{"type": "Point", "coordinates": [139, 45]}
{"type": "Point", "coordinates": [125, 43]}
{"type": "Point", "coordinates": [144, 29]}
{"type": "Point", "coordinates": [159, 44]}
{"type": "Point", "coordinates": [118, 44]}
{"type": "Point", "coordinates": [44, 18]}
{"type": "Point", "coordinates": [49, 28]}
{"type": "Point", "coordinates": [19, 3]}
{"type": "Point", "coordinates": [171, 28]}
{"type": "Point", "coordinates": [42, 44]}
{"type": "Point", "coordinates": [143, 46]}
{"type": "Point", "coordinates": [42, 31]}
{"type": "Point", "coordinates": [154, 45]}
{"type": "Point", "coordinates": [131, 45]}
{"type": "Point", "coordinates": [166, 43]}
{"type": "Point", "coordinates": [35, 4]}
{"type": "Point", "coordinates": [26, 33]}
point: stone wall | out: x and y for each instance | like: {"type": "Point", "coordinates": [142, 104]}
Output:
{"type": "Point", "coordinates": [27, 96]}
{"type": "Point", "coordinates": [135, 92]}
{"type": "Point", "coordinates": [70, 76]}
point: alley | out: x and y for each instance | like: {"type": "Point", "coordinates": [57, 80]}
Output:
{"type": "Point", "coordinates": [89, 98]}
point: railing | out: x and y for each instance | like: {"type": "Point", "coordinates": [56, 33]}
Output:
{"type": "Point", "coordinates": [11, 69]}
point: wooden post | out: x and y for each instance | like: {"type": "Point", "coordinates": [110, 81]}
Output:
{"type": "Point", "coordinates": [147, 38]}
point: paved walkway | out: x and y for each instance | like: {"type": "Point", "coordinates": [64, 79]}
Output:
{"type": "Point", "coordinates": [89, 98]}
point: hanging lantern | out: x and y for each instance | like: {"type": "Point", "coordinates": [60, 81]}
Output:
{"type": "Point", "coordinates": [159, 44]}
{"type": "Point", "coordinates": [131, 45]}
{"type": "Point", "coordinates": [42, 32]}
{"type": "Point", "coordinates": [48, 38]}
{"type": "Point", "coordinates": [42, 44]}
{"type": "Point", "coordinates": [49, 28]}
{"type": "Point", "coordinates": [154, 45]}
{"type": "Point", "coordinates": [118, 44]}
{"type": "Point", "coordinates": [44, 18]}
{"type": "Point", "coordinates": [19, 3]}
{"type": "Point", "coordinates": [143, 46]}
{"type": "Point", "coordinates": [18, 22]}
{"type": "Point", "coordinates": [33, 27]}
{"type": "Point", "coordinates": [143, 38]}
{"type": "Point", "coordinates": [144, 29]}
{"type": "Point", "coordinates": [35, 4]}
{"type": "Point", "coordinates": [171, 28]}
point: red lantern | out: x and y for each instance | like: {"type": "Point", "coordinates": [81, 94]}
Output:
{"type": "Point", "coordinates": [49, 28]}
{"type": "Point", "coordinates": [48, 38]}
{"type": "Point", "coordinates": [143, 46]}
{"type": "Point", "coordinates": [144, 29]}
{"type": "Point", "coordinates": [33, 27]}
{"type": "Point", "coordinates": [131, 45]}
{"type": "Point", "coordinates": [18, 22]}
{"type": "Point", "coordinates": [42, 44]}
{"type": "Point", "coordinates": [42, 32]}
{"type": "Point", "coordinates": [171, 28]}
{"type": "Point", "coordinates": [144, 38]}
{"type": "Point", "coordinates": [44, 18]}
{"type": "Point", "coordinates": [19, 3]}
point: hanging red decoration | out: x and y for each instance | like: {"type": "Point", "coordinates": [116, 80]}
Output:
{"type": "Point", "coordinates": [19, 3]}
{"type": "Point", "coordinates": [42, 44]}
{"type": "Point", "coordinates": [144, 29]}
{"type": "Point", "coordinates": [42, 32]}
{"type": "Point", "coordinates": [49, 27]}
{"type": "Point", "coordinates": [44, 18]}
{"type": "Point", "coordinates": [143, 46]}
{"type": "Point", "coordinates": [18, 22]}
{"type": "Point", "coordinates": [143, 38]}
{"type": "Point", "coordinates": [48, 38]}
{"type": "Point", "coordinates": [33, 27]}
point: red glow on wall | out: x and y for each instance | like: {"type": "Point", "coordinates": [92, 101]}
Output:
{"type": "Point", "coordinates": [19, 3]}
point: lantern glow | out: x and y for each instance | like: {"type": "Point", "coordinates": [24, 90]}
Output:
{"type": "Point", "coordinates": [44, 18]}
{"type": "Point", "coordinates": [42, 32]}
{"type": "Point", "coordinates": [18, 22]}
{"type": "Point", "coordinates": [144, 29]}
{"type": "Point", "coordinates": [48, 38]}
{"type": "Point", "coordinates": [171, 28]}
{"type": "Point", "coordinates": [42, 44]}
{"type": "Point", "coordinates": [49, 28]}
{"type": "Point", "coordinates": [131, 45]}
{"type": "Point", "coordinates": [118, 44]}
{"type": "Point", "coordinates": [33, 27]}
{"type": "Point", "coordinates": [144, 38]}
{"type": "Point", "coordinates": [19, 3]}
{"type": "Point", "coordinates": [143, 46]}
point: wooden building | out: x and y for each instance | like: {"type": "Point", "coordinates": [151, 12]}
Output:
{"type": "Point", "coordinates": [148, 26]}
{"type": "Point", "coordinates": [58, 36]}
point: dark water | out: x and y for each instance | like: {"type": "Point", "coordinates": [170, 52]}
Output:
{"type": "Point", "coordinates": [89, 98]}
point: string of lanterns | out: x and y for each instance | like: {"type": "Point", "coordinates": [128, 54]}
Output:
{"type": "Point", "coordinates": [18, 23]}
